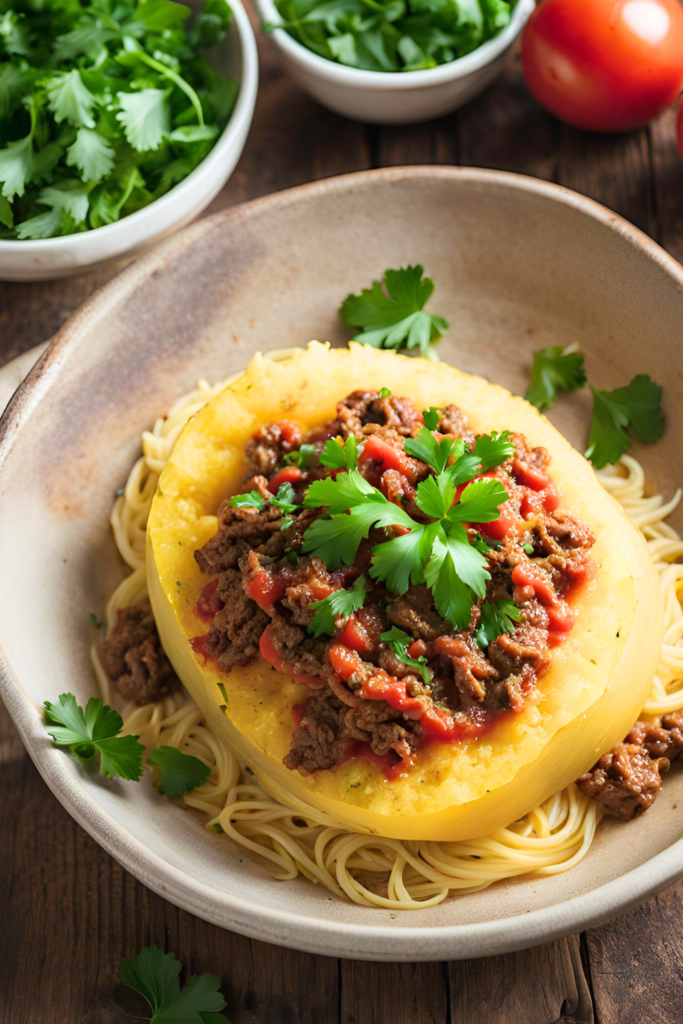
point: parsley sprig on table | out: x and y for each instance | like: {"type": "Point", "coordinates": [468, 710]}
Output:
{"type": "Point", "coordinates": [393, 316]}
{"type": "Point", "coordinates": [103, 108]}
{"type": "Point", "coordinates": [156, 976]}
{"type": "Point", "coordinates": [438, 552]}
{"type": "Point", "coordinates": [392, 35]}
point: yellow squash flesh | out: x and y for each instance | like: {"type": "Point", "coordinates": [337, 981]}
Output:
{"type": "Point", "coordinates": [589, 698]}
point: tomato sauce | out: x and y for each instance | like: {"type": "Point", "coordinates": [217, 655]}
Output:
{"type": "Point", "coordinates": [209, 602]}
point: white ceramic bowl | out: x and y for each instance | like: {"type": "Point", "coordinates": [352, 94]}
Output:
{"type": "Point", "coordinates": [519, 264]}
{"type": "Point", "coordinates": [72, 254]}
{"type": "Point", "coordinates": [402, 97]}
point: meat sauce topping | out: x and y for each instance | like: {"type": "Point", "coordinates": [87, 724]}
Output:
{"type": "Point", "coordinates": [371, 697]}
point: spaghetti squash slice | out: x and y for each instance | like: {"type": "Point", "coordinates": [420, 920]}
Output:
{"type": "Point", "coordinates": [587, 700]}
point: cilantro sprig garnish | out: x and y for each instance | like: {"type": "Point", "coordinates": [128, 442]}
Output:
{"type": "Point", "coordinates": [496, 617]}
{"type": "Point", "coordinates": [303, 457]}
{"type": "Point", "coordinates": [393, 316]}
{"type": "Point", "coordinates": [94, 731]}
{"type": "Point", "coordinates": [284, 500]}
{"type": "Point", "coordinates": [438, 552]}
{"type": "Point", "coordinates": [103, 108]}
{"type": "Point", "coordinates": [399, 642]}
{"type": "Point", "coordinates": [554, 369]}
{"type": "Point", "coordinates": [156, 976]}
{"type": "Point", "coordinates": [338, 454]}
{"type": "Point", "coordinates": [340, 604]}
{"type": "Point", "coordinates": [177, 773]}
{"type": "Point", "coordinates": [634, 411]}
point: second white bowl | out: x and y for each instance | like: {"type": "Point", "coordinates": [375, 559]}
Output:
{"type": "Point", "coordinates": [401, 97]}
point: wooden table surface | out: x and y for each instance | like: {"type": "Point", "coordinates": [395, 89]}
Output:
{"type": "Point", "coordinates": [69, 913]}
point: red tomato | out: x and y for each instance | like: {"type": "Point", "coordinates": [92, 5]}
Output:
{"type": "Point", "coordinates": [604, 65]}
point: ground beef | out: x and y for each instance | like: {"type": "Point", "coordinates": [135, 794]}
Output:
{"type": "Point", "coordinates": [233, 638]}
{"type": "Point", "coordinates": [415, 614]}
{"type": "Point", "coordinates": [374, 722]}
{"type": "Point", "coordinates": [661, 738]}
{"type": "Point", "coordinates": [454, 422]}
{"type": "Point", "coordinates": [265, 449]}
{"type": "Point", "coordinates": [239, 531]}
{"type": "Point", "coordinates": [302, 654]}
{"type": "Point", "coordinates": [133, 657]}
{"type": "Point", "coordinates": [512, 653]}
{"type": "Point", "coordinates": [310, 582]}
{"type": "Point", "coordinates": [366, 409]}
{"type": "Point", "coordinates": [626, 781]}
{"type": "Point", "coordinates": [471, 669]}
{"type": "Point", "coordinates": [318, 742]}
{"type": "Point", "coordinates": [535, 458]}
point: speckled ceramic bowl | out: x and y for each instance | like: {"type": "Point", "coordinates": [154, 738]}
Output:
{"type": "Point", "coordinates": [518, 264]}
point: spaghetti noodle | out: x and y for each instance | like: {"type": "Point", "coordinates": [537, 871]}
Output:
{"type": "Point", "coordinates": [368, 869]}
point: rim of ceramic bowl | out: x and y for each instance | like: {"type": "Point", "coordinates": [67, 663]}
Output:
{"type": "Point", "coordinates": [146, 220]}
{"type": "Point", "coordinates": [385, 942]}
{"type": "Point", "coordinates": [397, 80]}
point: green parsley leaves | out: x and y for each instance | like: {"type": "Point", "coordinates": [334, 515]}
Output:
{"type": "Point", "coordinates": [341, 603]}
{"type": "Point", "coordinates": [619, 415]}
{"type": "Point", "coordinates": [108, 105]}
{"type": "Point", "coordinates": [555, 369]}
{"type": "Point", "coordinates": [399, 642]}
{"type": "Point", "coordinates": [177, 773]}
{"type": "Point", "coordinates": [496, 617]}
{"type": "Point", "coordinates": [94, 731]}
{"type": "Point", "coordinates": [284, 500]}
{"type": "Point", "coordinates": [393, 316]}
{"type": "Point", "coordinates": [438, 552]}
{"type": "Point", "coordinates": [389, 36]}
{"type": "Point", "coordinates": [252, 499]}
{"type": "Point", "coordinates": [341, 455]}
{"type": "Point", "coordinates": [633, 411]}
{"type": "Point", "coordinates": [155, 975]}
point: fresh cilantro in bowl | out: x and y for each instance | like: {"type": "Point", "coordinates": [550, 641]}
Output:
{"type": "Point", "coordinates": [392, 35]}
{"type": "Point", "coordinates": [104, 107]}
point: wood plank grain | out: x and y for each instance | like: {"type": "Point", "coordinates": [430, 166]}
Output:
{"type": "Point", "coordinates": [393, 993]}
{"type": "Point", "coordinates": [70, 913]}
{"type": "Point", "coordinates": [546, 985]}
{"type": "Point", "coordinates": [637, 963]}
{"type": "Point", "coordinates": [667, 169]}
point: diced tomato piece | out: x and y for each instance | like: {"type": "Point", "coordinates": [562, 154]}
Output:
{"type": "Point", "coordinates": [377, 450]}
{"type": "Point", "coordinates": [560, 616]}
{"type": "Point", "coordinates": [343, 661]}
{"type": "Point", "coordinates": [289, 433]}
{"type": "Point", "coordinates": [499, 528]}
{"type": "Point", "coordinates": [199, 645]}
{"type": "Point", "coordinates": [382, 686]}
{"type": "Point", "coordinates": [209, 603]}
{"type": "Point", "coordinates": [299, 712]}
{"type": "Point", "coordinates": [528, 476]}
{"type": "Point", "coordinates": [527, 575]}
{"type": "Point", "coordinates": [355, 636]}
{"type": "Point", "coordinates": [288, 475]}
{"type": "Point", "coordinates": [267, 589]}
{"type": "Point", "coordinates": [551, 498]}
{"type": "Point", "coordinates": [267, 648]}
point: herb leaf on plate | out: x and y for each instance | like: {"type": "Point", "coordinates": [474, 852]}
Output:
{"type": "Point", "coordinates": [178, 773]}
{"type": "Point", "coordinates": [634, 411]}
{"type": "Point", "coordinates": [391, 312]}
{"type": "Point", "coordinates": [94, 731]}
{"type": "Point", "coordinates": [554, 369]}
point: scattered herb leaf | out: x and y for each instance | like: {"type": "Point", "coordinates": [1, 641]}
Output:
{"type": "Point", "coordinates": [399, 643]}
{"type": "Point", "coordinates": [178, 773]}
{"type": "Point", "coordinates": [94, 731]}
{"type": "Point", "coordinates": [155, 975]}
{"type": "Point", "coordinates": [393, 316]}
{"type": "Point", "coordinates": [341, 603]}
{"type": "Point", "coordinates": [496, 617]}
{"type": "Point", "coordinates": [634, 411]}
{"type": "Point", "coordinates": [554, 369]}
